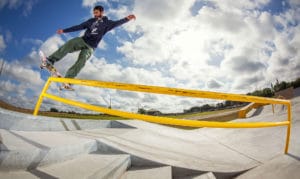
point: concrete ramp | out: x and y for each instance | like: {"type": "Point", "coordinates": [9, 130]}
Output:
{"type": "Point", "coordinates": [201, 154]}
{"type": "Point", "coordinates": [283, 166]}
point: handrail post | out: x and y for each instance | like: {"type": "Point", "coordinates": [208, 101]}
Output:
{"type": "Point", "coordinates": [288, 132]}
{"type": "Point", "coordinates": [38, 104]}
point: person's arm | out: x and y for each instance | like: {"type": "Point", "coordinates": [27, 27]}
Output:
{"type": "Point", "coordinates": [81, 26]}
{"type": "Point", "coordinates": [113, 24]}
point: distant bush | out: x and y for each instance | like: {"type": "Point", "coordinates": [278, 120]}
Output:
{"type": "Point", "coordinates": [53, 110]}
{"type": "Point", "coordinates": [267, 92]}
{"type": "Point", "coordinates": [296, 83]}
{"type": "Point", "coordinates": [278, 86]}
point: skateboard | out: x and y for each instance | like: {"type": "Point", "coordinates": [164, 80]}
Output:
{"type": "Point", "coordinates": [53, 72]}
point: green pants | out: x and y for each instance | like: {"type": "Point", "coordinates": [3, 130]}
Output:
{"type": "Point", "coordinates": [73, 45]}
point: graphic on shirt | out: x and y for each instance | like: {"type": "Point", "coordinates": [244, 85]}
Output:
{"type": "Point", "coordinates": [95, 26]}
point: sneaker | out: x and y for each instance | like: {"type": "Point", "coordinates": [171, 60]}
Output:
{"type": "Point", "coordinates": [67, 86]}
{"type": "Point", "coordinates": [47, 64]}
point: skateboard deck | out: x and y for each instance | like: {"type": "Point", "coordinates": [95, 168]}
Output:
{"type": "Point", "coordinates": [53, 71]}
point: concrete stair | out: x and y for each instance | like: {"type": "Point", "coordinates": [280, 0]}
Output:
{"type": "Point", "coordinates": [84, 166]}
{"type": "Point", "coordinates": [29, 150]}
{"type": "Point", "coordinates": [148, 173]}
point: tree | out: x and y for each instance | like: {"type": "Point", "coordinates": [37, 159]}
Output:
{"type": "Point", "coordinates": [228, 103]}
{"type": "Point", "coordinates": [142, 111]}
{"type": "Point", "coordinates": [220, 105]}
{"type": "Point", "coordinates": [53, 110]}
{"type": "Point", "coordinates": [267, 92]}
{"type": "Point", "coordinates": [296, 83]}
{"type": "Point", "coordinates": [281, 86]}
{"type": "Point", "coordinates": [206, 107]}
{"type": "Point", "coordinates": [196, 109]}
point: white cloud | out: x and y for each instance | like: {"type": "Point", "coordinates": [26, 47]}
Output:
{"type": "Point", "coordinates": [23, 74]}
{"type": "Point", "coordinates": [52, 44]}
{"type": "Point", "coordinates": [2, 43]}
{"type": "Point", "coordinates": [102, 45]}
{"type": "Point", "coordinates": [8, 36]}
{"type": "Point", "coordinates": [30, 41]}
{"type": "Point", "coordinates": [120, 12]}
{"type": "Point", "coordinates": [228, 5]}
{"type": "Point", "coordinates": [10, 4]}
{"type": "Point", "coordinates": [294, 2]}
{"type": "Point", "coordinates": [19, 84]}
{"type": "Point", "coordinates": [6, 87]}
{"type": "Point", "coordinates": [91, 3]}
{"type": "Point", "coordinates": [157, 11]}
{"type": "Point", "coordinates": [229, 41]}
{"type": "Point", "coordinates": [99, 69]}
{"type": "Point", "coordinates": [26, 6]}
{"type": "Point", "coordinates": [214, 84]}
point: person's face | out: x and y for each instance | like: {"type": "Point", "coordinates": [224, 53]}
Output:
{"type": "Point", "coordinates": [98, 13]}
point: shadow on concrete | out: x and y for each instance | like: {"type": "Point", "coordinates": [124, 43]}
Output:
{"type": "Point", "coordinates": [77, 127]}
{"type": "Point", "coordinates": [294, 156]}
{"type": "Point", "coordinates": [117, 124]}
{"type": "Point", "coordinates": [3, 149]}
{"type": "Point", "coordinates": [257, 111]}
{"type": "Point", "coordinates": [296, 92]}
{"type": "Point", "coordinates": [64, 125]}
{"type": "Point", "coordinates": [2, 146]}
{"type": "Point", "coordinates": [41, 174]}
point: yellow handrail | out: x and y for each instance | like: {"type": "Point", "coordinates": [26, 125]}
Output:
{"type": "Point", "coordinates": [170, 91]}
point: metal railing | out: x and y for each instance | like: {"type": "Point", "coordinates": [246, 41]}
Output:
{"type": "Point", "coordinates": [170, 91]}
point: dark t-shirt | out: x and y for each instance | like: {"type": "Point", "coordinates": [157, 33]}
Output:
{"type": "Point", "coordinates": [95, 29]}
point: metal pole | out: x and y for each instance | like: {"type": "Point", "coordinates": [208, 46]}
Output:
{"type": "Point", "coordinates": [39, 102]}
{"type": "Point", "coordinates": [288, 132]}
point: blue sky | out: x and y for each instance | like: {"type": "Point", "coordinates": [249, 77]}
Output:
{"type": "Point", "coordinates": [197, 44]}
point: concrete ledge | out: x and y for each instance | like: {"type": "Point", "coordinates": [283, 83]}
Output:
{"type": "Point", "coordinates": [113, 170]}
{"type": "Point", "coordinates": [136, 161]}
{"type": "Point", "coordinates": [221, 117]}
{"type": "Point", "coordinates": [85, 166]}
{"type": "Point", "coordinates": [243, 112]}
{"type": "Point", "coordinates": [31, 150]}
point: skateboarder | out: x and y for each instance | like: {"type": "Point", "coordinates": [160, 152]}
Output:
{"type": "Point", "coordinates": [95, 29]}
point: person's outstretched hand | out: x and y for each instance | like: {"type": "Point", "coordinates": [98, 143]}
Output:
{"type": "Point", "coordinates": [59, 31]}
{"type": "Point", "coordinates": [130, 17]}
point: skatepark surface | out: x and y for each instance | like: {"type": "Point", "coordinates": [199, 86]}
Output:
{"type": "Point", "coordinates": [44, 147]}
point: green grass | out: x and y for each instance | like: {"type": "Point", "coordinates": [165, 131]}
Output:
{"type": "Point", "coordinates": [82, 116]}
{"type": "Point", "coordinates": [101, 116]}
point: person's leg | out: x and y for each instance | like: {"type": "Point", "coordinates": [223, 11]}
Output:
{"type": "Point", "coordinates": [70, 46]}
{"type": "Point", "coordinates": [84, 55]}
